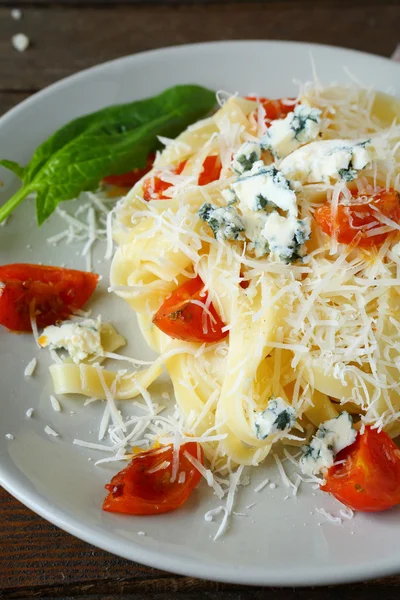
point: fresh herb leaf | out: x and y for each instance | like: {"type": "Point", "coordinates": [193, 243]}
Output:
{"type": "Point", "coordinates": [108, 142]}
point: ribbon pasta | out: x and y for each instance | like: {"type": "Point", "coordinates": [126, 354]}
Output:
{"type": "Point", "coordinates": [322, 333]}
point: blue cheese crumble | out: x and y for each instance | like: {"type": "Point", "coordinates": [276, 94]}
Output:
{"type": "Point", "coordinates": [264, 186]}
{"type": "Point", "coordinates": [245, 157]}
{"type": "Point", "coordinates": [225, 222]}
{"type": "Point", "coordinates": [328, 160]}
{"type": "Point", "coordinates": [286, 135]}
{"type": "Point", "coordinates": [332, 436]}
{"type": "Point", "coordinates": [278, 416]}
{"type": "Point", "coordinates": [80, 339]}
{"type": "Point", "coordinates": [286, 236]}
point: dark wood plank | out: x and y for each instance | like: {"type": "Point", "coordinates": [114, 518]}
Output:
{"type": "Point", "coordinates": [39, 560]}
{"type": "Point", "coordinates": [80, 3]}
{"type": "Point", "coordinates": [10, 99]}
{"type": "Point", "coordinates": [65, 40]}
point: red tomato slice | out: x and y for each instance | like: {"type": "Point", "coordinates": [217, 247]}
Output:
{"type": "Point", "coordinates": [211, 170]}
{"type": "Point", "coordinates": [275, 109]}
{"type": "Point", "coordinates": [357, 219]}
{"type": "Point", "coordinates": [154, 186]}
{"type": "Point", "coordinates": [55, 292]}
{"type": "Point", "coordinates": [369, 480]}
{"type": "Point", "coordinates": [182, 318]}
{"type": "Point", "coordinates": [141, 489]}
{"type": "Point", "coordinates": [128, 180]}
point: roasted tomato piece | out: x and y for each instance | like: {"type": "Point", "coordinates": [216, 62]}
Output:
{"type": "Point", "coordinates": [128, 180]}
{"type": "Point", "coordinates": [154, 186]}
{"type": "Point", "coordinates": [144, 487]}
{"type": "Point", "coordinates": [211, 170]}
{"type": "Point", "coordinates": [52, 292]}
{"type": "Point", "coordinates": [369, 478]}
{"type": "Point", "coordinates": [360, 218]}
{"type": "Point", "coordinates": [184, 316]}
{"type": "Point", "coordinates": [275, 109]}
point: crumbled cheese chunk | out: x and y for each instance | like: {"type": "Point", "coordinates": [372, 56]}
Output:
{"type": "Point", "coordinates": [328, 160]}
{"type": "Point", "coordinates": [332, 436]}
{"type": "Point", "coordinates": [286, 235]}
{"type": "Point", "coordinates": [9, 436]}
{"type": "Point", "coordinates": [80, 340]}
{"type": "Point", "coordinates": [225, 222]}
{"type": "Point", "coordinates": [20, 42]}
{"type": "Point", "coordinates": [229, 196]}
{"type": "Point", "coordinates": [278, 416]}
{"type": "Point", "coordinates": [265, 186]}
{"type": "Point", "coordinates": [286, 135]}
{"type": "Point", "coordinates": [29, 413]}
{"type": "Point", "coordinates": [245, 157]}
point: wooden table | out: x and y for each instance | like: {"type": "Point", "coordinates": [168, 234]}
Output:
{"type": "Point", "coordinates": [36, 558]}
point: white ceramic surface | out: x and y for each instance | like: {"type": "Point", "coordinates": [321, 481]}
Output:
{"type": "Point", "coordinates": [280, 542]}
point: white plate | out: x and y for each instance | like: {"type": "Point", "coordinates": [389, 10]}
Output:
{"type": "Point", "coordinates": [279, 542]}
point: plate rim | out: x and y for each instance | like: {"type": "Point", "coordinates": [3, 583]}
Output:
{"type": "Point", "coordinates": [59, 84]}
{"type": "Point", "coordinates": [134, 550]}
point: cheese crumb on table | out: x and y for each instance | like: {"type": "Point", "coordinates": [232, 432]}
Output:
{"type": "Point", "coordinates": [20, 42]}
{"type": "Point", "coordinates": [16, 14]}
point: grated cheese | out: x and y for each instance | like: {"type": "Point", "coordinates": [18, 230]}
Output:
{"type": "Point", "coordinates": [329, 516]}
{"type": "Point", "coordinates": [261, 485]}
{"type": "Point", "coordinates": [50, 431]}
{"type": "Point", "coordinates": [56, 406]}
{"type": "Point", "coordinates": [30, 368]}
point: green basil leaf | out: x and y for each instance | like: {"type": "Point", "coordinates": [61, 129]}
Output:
{"type": "Point", "coordinates": [14, 167]}
{"type": "Point", "coordinates": [110, 141]}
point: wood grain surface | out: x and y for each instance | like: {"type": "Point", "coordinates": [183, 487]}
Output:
{"type": "Point", "coordinates": [37, 560]}
{"type": "Point", "coordinates": [67, 39]}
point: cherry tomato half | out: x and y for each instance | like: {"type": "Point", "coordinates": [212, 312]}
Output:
{"type": "Point", "coordinates": [369, 479]}
{"type": "Point", "coordinates": [360, 218]}
{"type": "Point", "coordinates": [211, 170]}
{"type": "Point", "coordinates": [275, 109]}
{"type": "Point", "coordinates": [53, 292]}
{"type": "Point", "coordinates": [154, 186]}
{"type": "Point", "coordinates": [144, 487]}
{"type": "Point", "coordinates": [181, 317]}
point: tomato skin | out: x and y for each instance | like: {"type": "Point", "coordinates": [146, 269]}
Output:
{"type": "Point", "coordinates": [211, 170]}
{"type": "Point", "coordinates": [182, 319]}
{"type": "Point", "coordinates": [55, 291]}
{"type": "Point", "coordinates": [369, 480]}
{"type": "Point", "coordinates": [275, 109]}
{"type": "Point", "coordinates": [154, 186]}
{"type": "Point", "coordinates": [128, 180]}
{"type": "Point", "coordinates": [135, 491]}
{"type": "Point", "coordinates": [353, 220]}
